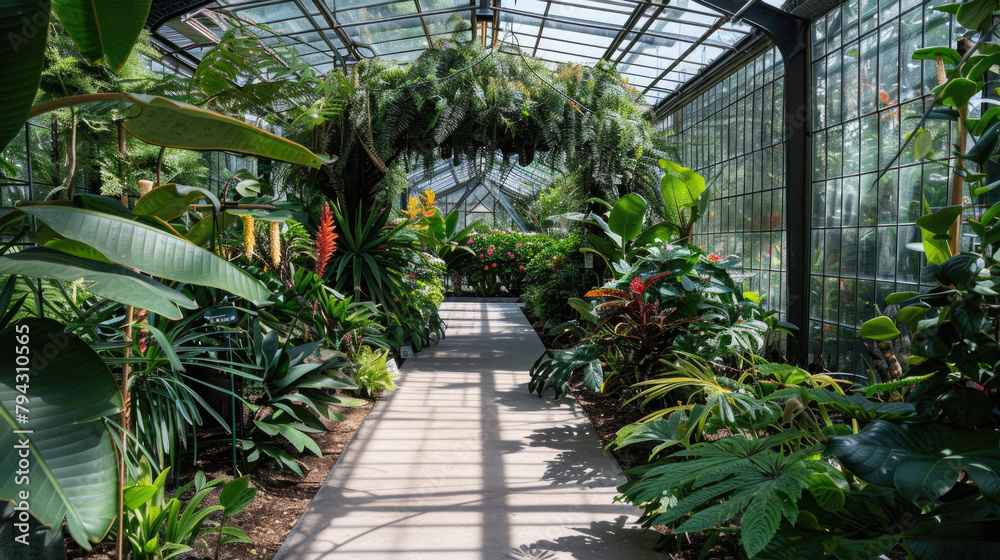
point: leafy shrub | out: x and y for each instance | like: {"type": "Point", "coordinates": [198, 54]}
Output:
{"type": "Point", "coordinates": [500, 262]}
{"type": "Point", "coordinates": [160, 529]}
{"type": "Point", "coordinates": [289, 398]}
{"type": "Point", "coordinates": [675, 298]}
{"type": "Point", "coordinates": [548, 280]}
{"type": "Point", "coordinates": [424, 274]}
{"type": "Point", "coordinates": [371, 374]}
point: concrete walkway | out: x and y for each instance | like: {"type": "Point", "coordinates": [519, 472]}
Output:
{"type": "Point", "coordinates": [462, 463]}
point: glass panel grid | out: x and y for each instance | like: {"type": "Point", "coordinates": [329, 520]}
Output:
{"type": "Point", "coordinates": [866, 86]}
{"type": "Point", "coordinates": [732, 135]}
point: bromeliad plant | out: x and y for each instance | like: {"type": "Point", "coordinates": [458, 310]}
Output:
{"type": "Point", "coordinates": [289, 397]}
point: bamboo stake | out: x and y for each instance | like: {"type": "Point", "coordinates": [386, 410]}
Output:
{"type": "Point", "coordinates": [126, 370]}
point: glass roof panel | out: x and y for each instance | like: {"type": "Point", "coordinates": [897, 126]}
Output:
{"type": "Point", "coordinates": [657, 45]}
{"type": "Point", "coordinates": [443, 23]}
{"type": "Point", "coordinates": [429, 5]}
{"type": "Point", "coordinates": [272, 12]}
{"type": "Point", "coordinates": [377, 12]}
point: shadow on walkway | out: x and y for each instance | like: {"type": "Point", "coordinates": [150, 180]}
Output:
{"type": "Point", "coordinates": [463, 463]}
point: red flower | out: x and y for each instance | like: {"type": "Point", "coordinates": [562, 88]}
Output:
{"type": "Point", "coordinates": [325, 244]}
{"type": "Point", "coordinates": [521, 267]}
{"type": "Point", "coordinates": [489, 251]}
{"type": "Point", "coordinates": [636, 286]}
{"type": "Point", "coordinates": [486, 268]}
{"type": "Point", "coordinates": [494, 265]}
{"type": "Point", "coordinates": [411, 275]}
{"type": "Point", "coordinates": [480, 255]}
{"type": "Point", "coordinates": [511, 255]}
{"type": "Point", "coordinates": [714, 258]}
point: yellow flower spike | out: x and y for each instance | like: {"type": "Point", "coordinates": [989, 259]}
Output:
{"type": "Point", "coordinates": [276, 244]}
{"type": "Point", "coordinates": [249, 236]}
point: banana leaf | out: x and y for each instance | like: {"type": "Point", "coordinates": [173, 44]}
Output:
{"type": "Point", "coordinates": [150, 250]}
{"type": "Point", "coordinates": [65, 393]}
{"type": "Point", "coordinates": [109, 281]}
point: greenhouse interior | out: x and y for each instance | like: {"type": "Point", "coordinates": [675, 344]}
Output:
{"type": "Point", "coordinates": [491, 279]}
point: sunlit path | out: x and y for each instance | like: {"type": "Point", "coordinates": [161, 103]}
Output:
{"type": "Point", "coordinates": [463, 463]}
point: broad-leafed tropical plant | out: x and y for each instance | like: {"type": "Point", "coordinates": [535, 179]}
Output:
{"type": "Point", "coordinates": [159, 529]}
{"type": "Point", "coordinates": [60, 396]}
{"type": "Point", "coordinates": [749, 481]}
{"type": "Point", "coordinates": [442, 237]}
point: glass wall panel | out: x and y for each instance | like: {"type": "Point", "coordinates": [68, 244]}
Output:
{"type": "Point", "coordinates": [866, 88]}
{"type": "Point", "coordinates": [732, 135]}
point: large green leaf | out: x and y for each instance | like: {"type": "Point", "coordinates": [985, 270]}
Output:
{"type": "Point", "coordinates": [149, 250]}
{"type": "Point", "coordinates": [72, 462]}
{"type": "Point", "coordinates": [105, 29]}
{"type": "Point", "coordinates": [663, 231]}
{"type": "Point", "coordinates": [934, 229]}
{"type": "Point", "coordinates": [957, 92]}
{"type": "Point", "coordinates": [165, 122]}
{"type": "Point", "coordinates": [680, 188]}
{"type": "Point", "coordinates": [626, 216]}
{"type": "Point", "coordinates": [107, 280]}
{"type": "Point", "coordinates": [949, 55]}
{"type": "Point", "coordinates": [24, 28]}
{"type": "Point", "coordinates": [922, 461]}
{"type": "Point", "coordinates": [172, 201]}
{"type": "Point", "coordinates": [205, 228]}
{"type": "Point", "coordinates": [879, 328]}
{"type": "Point", "coordinates": [971, 15]}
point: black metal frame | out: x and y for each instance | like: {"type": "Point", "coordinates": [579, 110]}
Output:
{"type": "Point", "coordinates": [791, 35]}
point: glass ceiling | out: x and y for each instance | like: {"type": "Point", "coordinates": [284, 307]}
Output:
{"type": "Point", "coordinates": [657, 46]}
{"type": "Point", "coordinates": [474, 181]}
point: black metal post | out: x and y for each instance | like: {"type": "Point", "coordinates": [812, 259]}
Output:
{"type": "Point", "coordinates": [791, 35]}
{"type": "Point", "coordinates": [39, 311]}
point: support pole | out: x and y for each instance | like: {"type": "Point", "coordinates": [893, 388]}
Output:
{"type": "Point", "coordinates": [791, 35]}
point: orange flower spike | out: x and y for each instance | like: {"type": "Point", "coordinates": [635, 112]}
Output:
{"type": "Point", "coordinates": [325, 239]}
